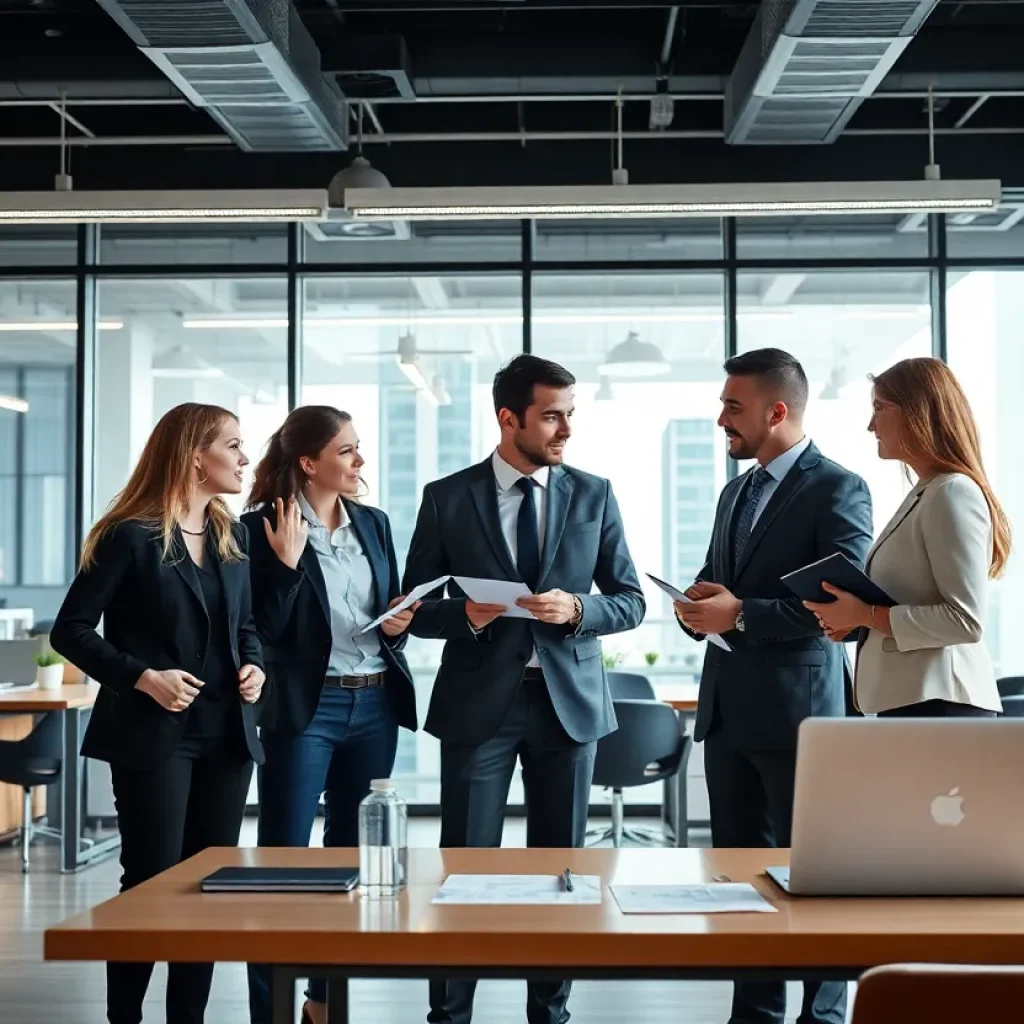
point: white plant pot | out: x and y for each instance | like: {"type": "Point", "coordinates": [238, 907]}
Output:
{"type": "Point", "coordinates": [50, 677]}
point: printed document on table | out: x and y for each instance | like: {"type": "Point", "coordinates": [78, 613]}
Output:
{"type": "Point", "coordinates": [677, 595]}
{"type": "Point", "coordinates": [497, 592]}
{"type": "Point", "coordinates": [719, 898]}
{"type": "Point", "coordinates": [414, 595]}
{"type": "Point", "coordinates": [519, 889]}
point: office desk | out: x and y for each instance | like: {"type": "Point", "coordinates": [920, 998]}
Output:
{"type": "Point", "coordinates": [681, 696]}
{"type": "Point", "coordinates": [71, 702]}
{"type": "Point", "coordinates": [346, 936]}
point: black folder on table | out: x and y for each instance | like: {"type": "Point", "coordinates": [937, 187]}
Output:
{"type": "Point", "coordinates": [838, 570]}
{"type": "Point", "coordinates": [253, 879]}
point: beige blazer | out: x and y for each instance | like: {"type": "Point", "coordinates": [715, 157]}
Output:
{"type": "Point", "coordinates": [933, 560]}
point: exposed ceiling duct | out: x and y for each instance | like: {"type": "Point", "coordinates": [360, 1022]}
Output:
{"type": "Point", "coordinates": [807, 66]}
{"type": "Point", "coordinates": [250, 63]}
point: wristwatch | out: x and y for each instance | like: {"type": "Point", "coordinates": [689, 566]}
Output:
{"type": "Point", "coordinates": [577, 615]}
{"type": "Point", "coordinates": [741, 624]}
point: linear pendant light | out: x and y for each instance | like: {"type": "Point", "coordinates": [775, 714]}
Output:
{"type": "Point", "coordinates": [742, 200]}
{"type": "Point", "coordinates": [158, 206]}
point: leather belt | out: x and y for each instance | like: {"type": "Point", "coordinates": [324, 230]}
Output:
{"type": "Point", "coordinates": [355, 682]}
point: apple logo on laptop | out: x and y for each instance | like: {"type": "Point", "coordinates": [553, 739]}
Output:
{"type": "Point", "coordinates": [946, 808]}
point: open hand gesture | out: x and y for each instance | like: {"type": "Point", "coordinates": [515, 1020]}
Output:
{"type": "Point", "coordinates": [288, 538]}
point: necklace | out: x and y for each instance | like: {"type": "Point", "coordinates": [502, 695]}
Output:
{"type": "Point", "coordinates": [193, 533]}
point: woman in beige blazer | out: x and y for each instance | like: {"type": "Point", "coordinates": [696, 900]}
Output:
{"type": "Point", "coordinates": [926, 657]}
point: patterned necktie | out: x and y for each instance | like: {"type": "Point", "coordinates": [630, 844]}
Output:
{"type": "Point", "coordinates": [745, 523]}
{"type": "Point", "coordinates": [527, 538]}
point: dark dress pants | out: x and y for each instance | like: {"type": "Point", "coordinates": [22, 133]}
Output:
{"type": "Point", "coordinates": [194, 800]}
{"type": "Point", "coordinates": [557, 774]}
{"type": "Point", "coordinates": [351, 741]}
{"type": "Point", "coordinates": [751, 798]}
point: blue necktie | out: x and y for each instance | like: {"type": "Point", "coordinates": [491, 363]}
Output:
{"type": "Point", "coordinates": [745, 523]}
{"type": "Point", "coordinates": [527, 540]}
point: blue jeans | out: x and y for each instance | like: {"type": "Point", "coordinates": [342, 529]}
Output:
{"type": "Point", "coordinates": [351, 740]}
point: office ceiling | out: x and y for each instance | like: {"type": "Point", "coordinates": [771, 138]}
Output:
{"type": "Point", "coordinates": [522, 91]}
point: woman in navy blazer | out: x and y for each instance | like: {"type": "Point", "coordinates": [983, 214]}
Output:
{"type": "Point", "coordinates": [323, 567]}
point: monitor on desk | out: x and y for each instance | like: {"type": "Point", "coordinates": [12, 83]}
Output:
{"type": "Point", "coordinates": [907, 807]}
{"type": "Point", "coordinates": [16, 664]}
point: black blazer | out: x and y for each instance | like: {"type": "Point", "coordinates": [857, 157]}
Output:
{"type": "Point", "coordinates": [781, 669]}
{"type": "Point", "coordinates": [293, 617]}
{"type": "Point", "coordinates": [154, 617]}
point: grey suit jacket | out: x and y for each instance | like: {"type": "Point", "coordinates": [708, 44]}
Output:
{"type": "Point", "coordinates": [459, 532]}
{"type": "Point", "coordinates": [933, 560]}
{"type": "Point", "coordinates": [781, 669]}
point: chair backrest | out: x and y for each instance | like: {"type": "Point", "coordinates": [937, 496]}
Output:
{"type": "Point", "coordinates": [35, 760]}
{"type": "Point", "coordinates": [938, 994]}
{"type": "Point", "coordinates": [630, 686]}
{"type": "Point", "coordinates": [1010, 686]}
{"type": "Point", "coordinates": [648, 734]}
{"type": "Point", "coordinates": [1013, 706]}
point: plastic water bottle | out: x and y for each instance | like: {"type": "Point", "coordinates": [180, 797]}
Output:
{"type": "Point", "coordinates": [383, 854]}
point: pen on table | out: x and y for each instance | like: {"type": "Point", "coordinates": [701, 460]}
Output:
{"type": "Point", "coordinates": [567, 880]}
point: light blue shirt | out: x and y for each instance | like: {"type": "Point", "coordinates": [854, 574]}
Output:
{"type": "Point", "coordinates": [777, 470]}
{"type": "Point", "coordinates": [348, 578]}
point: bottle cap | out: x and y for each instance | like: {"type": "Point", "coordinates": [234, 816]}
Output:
{"type": "Point", "coordinates": [381, 786]}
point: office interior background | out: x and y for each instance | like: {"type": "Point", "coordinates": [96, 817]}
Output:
{"type": "Point", "coordinates": [105, 327]}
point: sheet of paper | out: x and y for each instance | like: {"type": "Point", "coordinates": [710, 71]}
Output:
{"type": "Point", "coordinates": [496, 592]}
{"type": "Point", "coordinates": [414, 595]}
{"type": "Point", "coordinates": [677, 595]}
{"type": "Point", "coordinates": [519, 889]}
{"type": "Point", "coordinates": [719, 898]}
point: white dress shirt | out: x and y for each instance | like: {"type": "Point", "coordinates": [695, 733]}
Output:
{"type": "Point", "coordinates": [777, 470]}
{"type": "Point", "coordinates": [348, 578]}
{"type": "Point", "coordinates": [509, 500]}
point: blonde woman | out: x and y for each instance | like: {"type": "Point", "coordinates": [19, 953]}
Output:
{"type": "Point", "coordinates": [179, 667]}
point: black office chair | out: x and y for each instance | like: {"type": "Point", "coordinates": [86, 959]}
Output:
{"type": "Point", "coordinates": [1013, 706]}
{"type": "Point", "coordinates": [630, 686]}
{"type": "Point", "coordinates": [33, 761]}
{"type": "Point", "coordinates": [647, 747]}
{"type": "Point", "coordinates": [1010, 686]}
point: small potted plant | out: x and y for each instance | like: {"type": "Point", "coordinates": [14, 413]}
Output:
{"type": "Point", "coordinates": [651, 657]}
{"type": "Point", "coordinates": [49, 670]}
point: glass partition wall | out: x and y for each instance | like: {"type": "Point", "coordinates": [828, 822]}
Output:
{"type": "Point", "coordinates": [103, 329]}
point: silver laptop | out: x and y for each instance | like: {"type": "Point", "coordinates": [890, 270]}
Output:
{"type": "Point", "coordinates": [908, 807]}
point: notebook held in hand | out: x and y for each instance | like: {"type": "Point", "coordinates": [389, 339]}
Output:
{"type": "Point", "coordinates": [838, 570]}
{"type": "Point", "coordinates": [249, 879]}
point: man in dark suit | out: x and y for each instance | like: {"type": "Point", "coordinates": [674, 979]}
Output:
{"type": "Point", "coordinates": [792, 508]}
{"type": "Point", "coordinates": [531, 689]}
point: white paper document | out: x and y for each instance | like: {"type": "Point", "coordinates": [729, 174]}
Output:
{"type": "Point", "coordinates": [502, 592]}
{"type": "Point", "coordinates": [519, 889]}
{"type": "Point", "coordinates": [414, 595]}
{"type": "Point", "coordinates": [677, 595]}
{"type": "Point", "coordinates": [719, 898]}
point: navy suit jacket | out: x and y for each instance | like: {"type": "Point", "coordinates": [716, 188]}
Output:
{"type": "Point", "coordinates": [293, 617]}
{"type": "Point", "coordinates": [459, 532]}
{"type": "Point", "coordinates": [781, 669]}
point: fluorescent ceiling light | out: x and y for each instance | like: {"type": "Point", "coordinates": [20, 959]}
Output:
{"type": "Point", "coordinates": [163, 206]}
{"type": "Point", "coordinates": [54, 325]}
{"type": "Point", "coordinates": [708, 200]}
{"type": "Point", "coordinates": [634, 358]}
{"type": "Point", "coordinates": [13, 403]}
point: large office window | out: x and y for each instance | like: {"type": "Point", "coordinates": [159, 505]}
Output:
{"type": "Point", "coordinates": [164, 342]}
{"type": "Point", "coordinates": [985, 309]}
{"type": "Point", "coordinates": [412, 360]}
{"type": "Point", "coordinates": [842, 326]}
{"type": "Point", "coordinates": [647, 352]}
{"type": "Point", "coordinates": [37, 442]}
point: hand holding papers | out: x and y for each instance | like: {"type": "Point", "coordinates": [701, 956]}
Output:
{"type": "Point", "coordinates": [496, 592]}
{"type": "Point", "coordinates": [520, 890]}
{"type": "Point", "coordinates": [723, 898]}
{"type": "Point", "coordinates": [677, 595]}
{"type": "Point", "coordinates": [414, 595]}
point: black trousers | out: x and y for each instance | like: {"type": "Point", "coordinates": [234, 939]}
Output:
{"type": "Point", "coordinates": [937, 709]}
{"type": "Point", "coordinates": [557, 774]}
{"type": "Point", "coordinates": [751, 800]}
{"type": "Point", "coordinates": [194, 800]}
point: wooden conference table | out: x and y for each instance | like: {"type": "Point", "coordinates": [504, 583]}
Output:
{"type": "Point", "coordinates": [72, 702]}
{"type": "Point", "coordinates": [345, 936]}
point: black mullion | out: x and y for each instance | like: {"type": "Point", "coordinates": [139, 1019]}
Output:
{"type": "Point", "coordinates": [937, 280]}
{"type": "Point", "coordinates": [85, 381]}
{"type": "Point", "coordinates": [731, 297]}
{"type": "Point", "coordinates": [527, 285]}
{"type": "Point", "coordinates": [295, 308]}
{"type": "Point", "coordinates": [21, 496]}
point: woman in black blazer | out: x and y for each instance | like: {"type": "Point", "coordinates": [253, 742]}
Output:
{"type": "Point", "coordinates": [179, 667]}
{"type": "Point", "coordinates": [323, 568]}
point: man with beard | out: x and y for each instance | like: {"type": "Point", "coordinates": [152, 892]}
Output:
{"type": "Point", "coordinates": [531, 689]}
{"type": "Point", "coordinates": [791, 508]}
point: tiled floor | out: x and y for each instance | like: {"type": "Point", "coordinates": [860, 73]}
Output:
{"type": "Point", "coordinates": [34, 992]}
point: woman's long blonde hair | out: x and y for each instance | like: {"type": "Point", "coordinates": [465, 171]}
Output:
{"type": "Point", "coordinates": [164, 481]}
{"type": "Point", "coordinates": [938, 427]}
